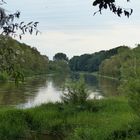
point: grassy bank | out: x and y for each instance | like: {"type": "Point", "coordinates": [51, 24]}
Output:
{"type": "Point", "coordinates": [107, 119]}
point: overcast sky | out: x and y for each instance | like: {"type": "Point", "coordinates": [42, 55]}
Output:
{"type": "Point", "coordinates": [69, 26]}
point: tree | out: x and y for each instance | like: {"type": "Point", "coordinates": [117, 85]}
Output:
{"type": "Point", "coordinates": [73, 63]}
{"type": "Point", "coordinates": [111, 5]}
{"type": "Point", "coordinates": [130, 73]}
{"type": "Point", "coordinates": [9, 27]}
{"type": "Point", "coordinates": [60, 56]}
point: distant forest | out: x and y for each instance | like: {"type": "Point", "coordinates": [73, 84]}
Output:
{"type": "Point", "coordinates": [92, 62]}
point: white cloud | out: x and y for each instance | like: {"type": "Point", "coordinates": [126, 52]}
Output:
{"type": "Point", "coordinates": [84, 41]}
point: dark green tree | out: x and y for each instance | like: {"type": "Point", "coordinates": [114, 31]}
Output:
{"type": "Point", "coordinates": [60, 57]}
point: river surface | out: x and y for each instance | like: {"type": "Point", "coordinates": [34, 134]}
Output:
{"type": "Point", "coordinates": [42, 89]}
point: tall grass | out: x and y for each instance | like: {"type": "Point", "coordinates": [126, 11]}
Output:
{"type": "Point", "coordinates": [107, 119]}
{"type": "Point", "coordinates": [12, 124]}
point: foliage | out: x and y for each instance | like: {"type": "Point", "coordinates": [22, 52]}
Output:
{"type": "Point", "coordinates": [91, 62]}
{"type": "Point", "coordinates": [126, 66]}
{"type": "Point", "coordinates": [60, 56]}
{"type": "Point", "coordinates": [133, 92]}
{"type": "Point", "coordinates": [131, 78]}
{"type": "Point", "coordinates": [112, 67]}
{"type": "Point", "coordinates": [18, 60]}
{"type": "Point", "coordinates": [110, 4]}
{"type": "Point", "coordinates": [75, 92]}
{"type": "Point", "coordinates": [9, 27]}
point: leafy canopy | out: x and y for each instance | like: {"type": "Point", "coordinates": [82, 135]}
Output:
{"type": "Point", "coordinates": [60, 56]}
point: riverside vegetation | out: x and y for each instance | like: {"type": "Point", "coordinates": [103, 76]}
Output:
{"type": "Point", "coordinates": [17, 58]}
{"type": "Point", "coordinates": [77, 117]}
{"type": "Point", "coordinates": [106, 119]}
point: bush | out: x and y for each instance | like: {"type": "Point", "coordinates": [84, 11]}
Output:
{"type": "Point", "coordinates": [75, 92]}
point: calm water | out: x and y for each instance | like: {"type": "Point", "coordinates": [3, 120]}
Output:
{"type": "Point", "coordinates": [38, 90]}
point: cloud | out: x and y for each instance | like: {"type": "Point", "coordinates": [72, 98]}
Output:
{"type": "Point", "coordinates": [84, 41]}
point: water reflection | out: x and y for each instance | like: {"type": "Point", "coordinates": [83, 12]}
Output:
{"type": "Point", "coordinates": [108, 87]}
{"type": "Point", "coordinates": [59, 80]}
{"type": "Point", "coordinates": [44, 137]}
{"type": "Point", "coordinates": [38, 90]}
{"type": "Point", "coordinates": [44, 94]}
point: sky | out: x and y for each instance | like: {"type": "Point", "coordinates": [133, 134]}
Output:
{"type": "Point", "coordinates": [69, 26]}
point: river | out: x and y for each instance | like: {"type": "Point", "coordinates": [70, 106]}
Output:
{"type": "Point", "coordinates": [43, 89]}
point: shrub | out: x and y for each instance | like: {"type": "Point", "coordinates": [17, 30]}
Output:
{"type": "Point", "coordinates": [75, 92]}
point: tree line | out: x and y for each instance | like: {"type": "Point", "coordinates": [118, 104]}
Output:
{"type": "Point", "coordinates": [91, 62]}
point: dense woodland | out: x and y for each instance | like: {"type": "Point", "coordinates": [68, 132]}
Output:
{"type": "Point", "coordinates": [20, 58]}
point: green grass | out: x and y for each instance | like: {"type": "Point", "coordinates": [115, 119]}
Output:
{"type": "Point", "coordinates": [12, 124]}
{"type": "Point", "coordinates": [107, 119]}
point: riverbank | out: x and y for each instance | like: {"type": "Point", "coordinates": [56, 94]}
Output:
{"type": "Point", "coordinates": [106, 119]}
{"type": "Point", "coordinates": [99, 75]}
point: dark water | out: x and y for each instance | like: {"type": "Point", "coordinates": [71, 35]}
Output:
{"type": "Point", "coordinates": [37, 136]}
{"type": "Point", "coordinates": [43, 89]}
{"type": "Point", "coordinates": [44, 137]}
